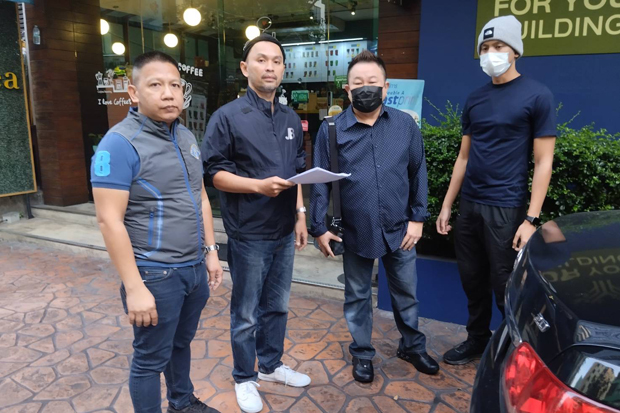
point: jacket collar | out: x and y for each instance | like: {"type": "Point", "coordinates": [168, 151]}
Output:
{"type": "Point", "coordinates": [158, 128]}
{"type": "Point", "coordinates": [261, 104]}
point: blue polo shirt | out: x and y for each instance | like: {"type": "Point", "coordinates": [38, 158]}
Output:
{"type": "Point", "coordinates": [503, 121]}
{"type": "Point", "coordinates": [161, 169]}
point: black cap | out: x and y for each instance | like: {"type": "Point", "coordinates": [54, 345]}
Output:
{"type": "Point", "coordinates": [262, 38]}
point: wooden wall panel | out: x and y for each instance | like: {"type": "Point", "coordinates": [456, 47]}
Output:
{"type": "Point", "coordinates": [399, 37]}
{"type": "Point", "coordinates": [64, 97]}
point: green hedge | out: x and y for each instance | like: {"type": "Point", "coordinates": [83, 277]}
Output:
{"type": "Point", "coordinates": [586, 167]}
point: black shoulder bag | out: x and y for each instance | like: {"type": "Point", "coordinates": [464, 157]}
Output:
{"type": "Point", "coordinates": [335, 223]}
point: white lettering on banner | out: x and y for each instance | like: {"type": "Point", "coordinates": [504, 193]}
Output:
{"type": "Point", "coordinates": [108, 84]}
{"type": "Point", "coordinates": [523, 11]}
{"type": "Point", "coordinates": [571, 5]}
{"type": "Point", "coordinates": [608, 25]}
{"type": "Point", "coordinates": [191, 70]}
{"type": "Point", "coordinates": [115, 102]}
{"type": "Point", "coordinates": [542, 3]}
{"type": "Point", "coordinates": [587, 22]}
{"type": "Point", "coordinates": [499, 4]}
{"type": "Point", "coordinates": [521, 7]}
{"type": "Point", "coordinates": [564, 27]}
{"type": "Point", "coordinates": [558, 33]}
{"type": "Point", "coordinates": [590, 6]}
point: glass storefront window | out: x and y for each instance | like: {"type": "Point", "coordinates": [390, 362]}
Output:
{"type": "Point", "coordinates": [320, 38]}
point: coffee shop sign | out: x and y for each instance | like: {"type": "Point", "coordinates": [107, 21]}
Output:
{"type": "Point", "coordinates": [109, 84]}
{"type": "Point", "coordinates": [9, 81]}
{"type": "Point", "coordinates": [191, 70]}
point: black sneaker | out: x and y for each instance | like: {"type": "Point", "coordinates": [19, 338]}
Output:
{"type": "Point", "coordinates": [465, 352]}
{"type": "Point", "coordinates": [196, 406]}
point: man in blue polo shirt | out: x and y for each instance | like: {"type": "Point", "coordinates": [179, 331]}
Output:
{"type": "Point", "coordinates": [251, 146]}
{"type": "Point", "coordinates": [503, 123]}
{"type": "Point", "coordinates": [155, 217]}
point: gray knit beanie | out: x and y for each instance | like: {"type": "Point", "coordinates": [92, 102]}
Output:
{"type": "Point", "coordinates": [506, 29]}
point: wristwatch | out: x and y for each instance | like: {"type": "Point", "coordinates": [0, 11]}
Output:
{"type": "Point", "coordinates": [301, 210]}
{"type": "Point", "coordinates": [533, 220]}
{"type": "Point", "coordinates": [210, 248]}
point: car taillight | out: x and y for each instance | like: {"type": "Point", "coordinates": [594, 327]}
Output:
{"type": "Point", "coordinates": [530, 387]}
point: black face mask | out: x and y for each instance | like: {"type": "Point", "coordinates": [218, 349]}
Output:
{"type": "Point", "coordinates": [367, 99]}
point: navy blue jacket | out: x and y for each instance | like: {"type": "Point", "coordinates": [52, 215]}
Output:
{"type": "Point", "coordinates": [245, 138]}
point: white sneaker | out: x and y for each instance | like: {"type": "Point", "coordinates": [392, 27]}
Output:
{"type": "Point", "coordinates": [287, 376]}
{"type": "Point", "coordinates": [248, 398]}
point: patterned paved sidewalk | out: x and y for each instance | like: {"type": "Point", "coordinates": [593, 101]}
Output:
{"type": "Point", "coordinates": [65, 346]}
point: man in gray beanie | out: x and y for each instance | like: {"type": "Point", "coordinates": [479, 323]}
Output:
{"type": "Point", "coordinates": [503, 123]}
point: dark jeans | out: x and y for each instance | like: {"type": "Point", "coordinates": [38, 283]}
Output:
{"type": "Point", "coordinates": [180, 296]}
{"type": "Point", "coordinates": [262, 272]}
{"type": "Point", "coordinates": [483, 244]}
{"type": "Point", "coordinates": [400, 268]}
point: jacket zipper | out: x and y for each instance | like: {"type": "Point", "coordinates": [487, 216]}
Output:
{"type": "Point", "coordinates": [151, 224]}
{"type": "Point", "coordinates": [189, 188]}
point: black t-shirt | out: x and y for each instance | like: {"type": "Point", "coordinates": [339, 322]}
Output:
{"type": "Point", "coordinates": [503, 121]}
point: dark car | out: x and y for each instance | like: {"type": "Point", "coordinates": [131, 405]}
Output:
{"type": "Point", "coordinates": [558, 350]}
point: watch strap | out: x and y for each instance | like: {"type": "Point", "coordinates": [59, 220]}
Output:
{"type": "Point", "coordinates": [210, 248]}
{"type": "Point", "coordinates": [533, 220]}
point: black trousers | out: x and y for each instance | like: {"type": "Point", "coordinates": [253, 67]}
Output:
{"type": "Point", "coordinates": [483, 244]}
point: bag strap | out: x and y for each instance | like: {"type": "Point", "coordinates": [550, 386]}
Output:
{"type": "Point", "coordinates": [333, 150]}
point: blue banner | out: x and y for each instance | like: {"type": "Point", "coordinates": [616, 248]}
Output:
{"type": "Point", "coordinates": [406, 95]}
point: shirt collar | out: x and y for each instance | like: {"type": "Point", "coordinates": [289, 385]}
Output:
{"type": "Point", "coordinates": [160, 128]}
{"type": "Point", "coordinates": [350, 119]}
{"type": "Point", "coordinates": [260, 103]}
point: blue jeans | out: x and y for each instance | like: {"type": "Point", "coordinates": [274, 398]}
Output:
{"type": "Point", "coordinates": [400, 268]}
{"type": "Point", "coordinates": [180, 296]}
{"type": "Point", "coordinates": [261, 273]}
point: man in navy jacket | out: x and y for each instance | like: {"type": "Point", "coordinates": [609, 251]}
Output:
{"type": "Point", "coordinates": [252, 145]}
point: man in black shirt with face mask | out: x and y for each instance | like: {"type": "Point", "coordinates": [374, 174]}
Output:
{"type": "Point", "coordinates": [386, 200]}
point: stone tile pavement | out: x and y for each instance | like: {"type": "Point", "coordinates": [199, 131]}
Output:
{"type": "Point", "coordinates": [66, 345]}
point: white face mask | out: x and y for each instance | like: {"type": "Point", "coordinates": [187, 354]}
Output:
{"type": "Point", "coordinates": [495, 64]}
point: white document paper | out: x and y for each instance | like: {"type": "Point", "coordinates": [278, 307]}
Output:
{"type": "Point", "coordinates": [317, 176]}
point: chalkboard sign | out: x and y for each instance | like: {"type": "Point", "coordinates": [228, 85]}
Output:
{"type": "Point", "coordinates": [16, 160]}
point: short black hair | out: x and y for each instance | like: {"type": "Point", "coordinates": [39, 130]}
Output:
{"type": "Point", "coordinates": [153, 56]}
{"type": "Point", "coordinates": [262, 38]}
{"type": "Point", "coordinates": [367, 56]}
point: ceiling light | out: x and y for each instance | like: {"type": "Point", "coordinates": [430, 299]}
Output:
{"type": "Point", "coordinates": [105, 27]}
{"type": "Point", "coordinates": [297, 44]}
{"type": "Point", "coordinates": [341, 40]}
{"type": "Point", "coordinates": [352, 5]}
{"type": "Point", "coordinates": [171, 40]}
{"type": "Point", "coordinates": [252, 32]}
{"type": "Point", "coordinates": [118, 48]}
{"type": "Point", "coordinates": [192, 16]}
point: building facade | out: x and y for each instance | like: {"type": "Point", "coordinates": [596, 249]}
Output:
{"type": "Point", "coordinates": [79, 55]}
{"type": "Point", "coordinates": [80, 64]}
